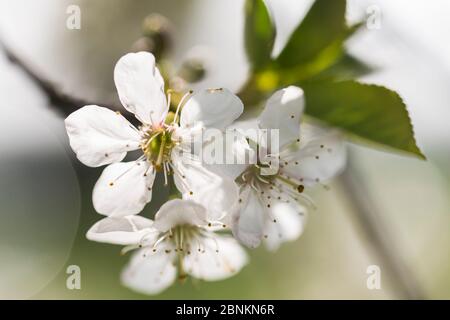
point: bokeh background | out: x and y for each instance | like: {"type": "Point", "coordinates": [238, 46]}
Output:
{"type": "Point", "coordinates": [45, 194]}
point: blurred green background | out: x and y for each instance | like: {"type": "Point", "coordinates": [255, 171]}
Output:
{"type": "Point", "coordinates": [45, 194]}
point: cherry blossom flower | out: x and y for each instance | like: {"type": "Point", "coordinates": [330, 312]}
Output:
{"type": "Point", "coordinates": [272, 199]}
{"type": "Point", "coordinates": [181, 239]}
{"type": "Point", "coordinates": [100, 137]}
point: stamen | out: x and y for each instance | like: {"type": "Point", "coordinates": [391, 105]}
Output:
{"type": "Point", "coordinates": [180, 104]}
{"type": "Point", "coordinates": [137, 162]}
{"type": "Point", "coordinates": [161, 239]}
{"type": "Point", "coordinates": [169, 97]}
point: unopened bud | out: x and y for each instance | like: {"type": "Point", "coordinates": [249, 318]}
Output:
{"type": "Point", "coordinates": [143, 44]}
{"type": "Point", "coordinates": [159, 29]}
{"type": "Point", "coordinates": [192, 70]}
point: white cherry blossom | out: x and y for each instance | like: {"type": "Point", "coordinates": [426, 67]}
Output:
{"type": "Point", "coordinates": [100, 137]}
{"type": "Point", "coordinates": [272, 199]}
{"type": "Point", "coordinates": [181, 240]}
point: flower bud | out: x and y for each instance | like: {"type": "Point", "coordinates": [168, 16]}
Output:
{"type": "Point", "coordinates": [192, 70]}
{"type": "Point", "coordinates": [159, 30]}
{"type": "Point", "coordinates": [143, 44]}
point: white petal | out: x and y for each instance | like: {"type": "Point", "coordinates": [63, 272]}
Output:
{"type": "Point", "coordinates": [124, 188]}
{"type": "Point", "coordinates": [220, 257]}
{"type": "Point", "coordinates": [218, 194]}
{"type": "Point", "coordinates": [283, 112]}
{"type": "Point", "coordinates": [248, 222]}
{"type": "Point", "coordinates": [150, 272]}
{"type": "Point", "coordinates": [178, 212]}
{"type": "Point", "coordinates": [216, 108]}
{"type": "Point", "coordinates": [287, 221]}
{"type": "Point", "coordinates": [100, 136]}
{"type": "Point", "coordinates": [238, 156]}
{"type": "Point", "coordinates": [319, 160]}
{"type": "Point", "coordinates": [127, 230]}
{"type": "Point", "coordinates": [141, 87]}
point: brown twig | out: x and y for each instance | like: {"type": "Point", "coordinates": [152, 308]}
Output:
{"type": "Point", "coordinates": [65, 103]}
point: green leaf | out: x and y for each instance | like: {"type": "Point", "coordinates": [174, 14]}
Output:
{"type": "Point", "coordinates": [259, 34]}
{"type": "Point", "coordinates": [347, 67]}
{"type": "Point", "coordinates": [370, 112]}
{"type": "Point", "coordinates": [323, 24]}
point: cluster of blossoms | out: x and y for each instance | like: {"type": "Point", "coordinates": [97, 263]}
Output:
{"type": "Point", "coordinates": [261, 200]}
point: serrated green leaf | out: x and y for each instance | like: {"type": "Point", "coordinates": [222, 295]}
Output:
{"type": "Point", "coordinates": [371, 112]}
{"type": "Point", "coordinates": [259, 34]}
{"type": "Point", "coordinates": [323, 24]}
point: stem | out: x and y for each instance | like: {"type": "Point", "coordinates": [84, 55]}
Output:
{"type": "Point", "coordinates": [65, 103]}
{"type": "Point", "coordinates": [377, 234]}
{"type": "Point", "coordinates": [250, 94]}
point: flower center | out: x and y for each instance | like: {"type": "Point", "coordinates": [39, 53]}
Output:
{"type": "Point", "coordinates": [260, 178]}
{"type": "Point", "coordinates": [185, 238]}
{"type": "Point", "coordinates": [182, 237]}
{"type": "Point", "coordinates": [157, 144]}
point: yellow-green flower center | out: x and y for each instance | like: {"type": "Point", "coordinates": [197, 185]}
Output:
{"type": "Point", "coordinates": [157, 145]}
